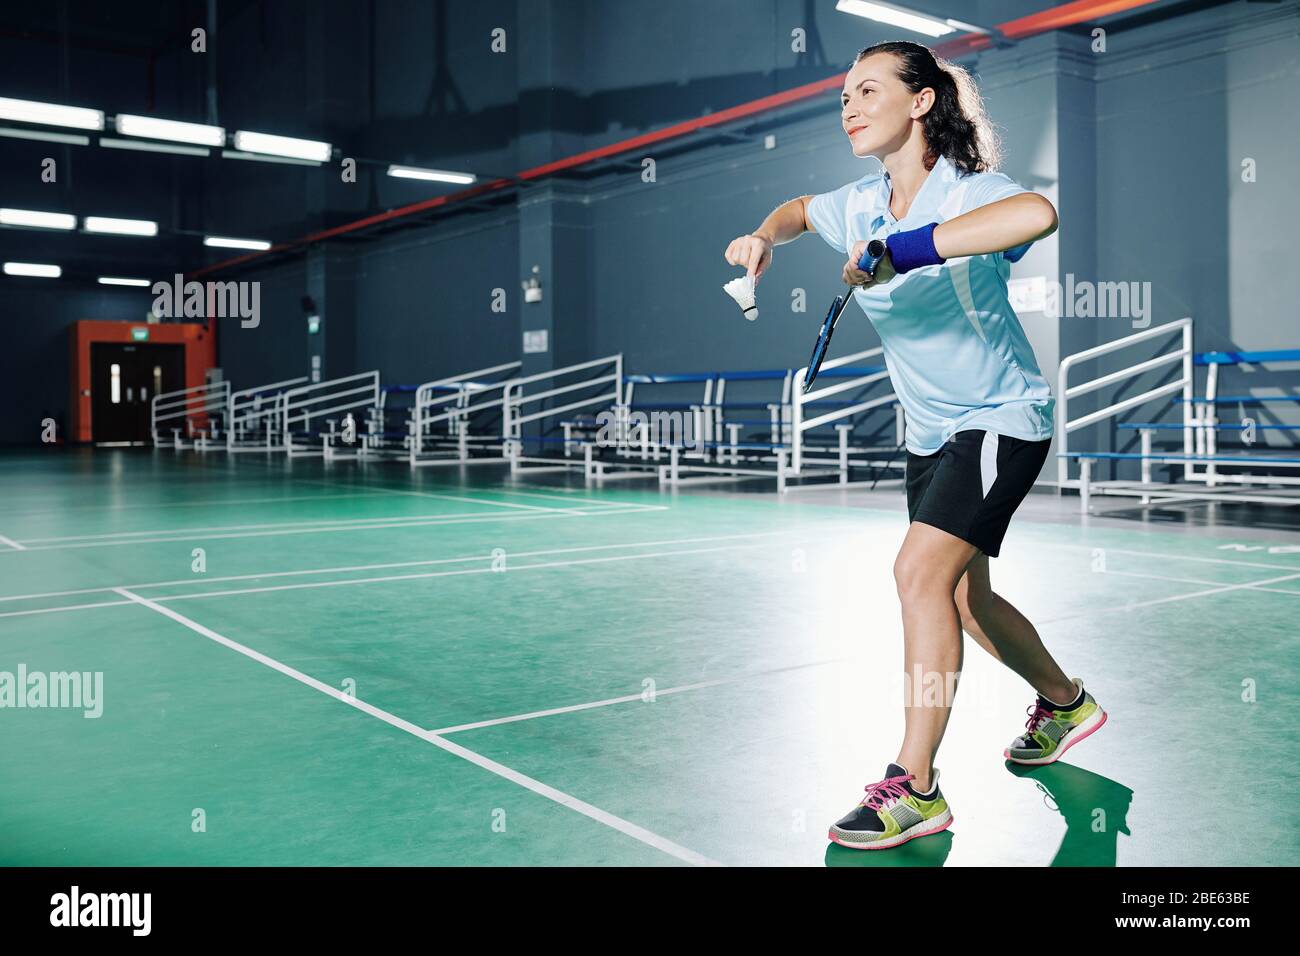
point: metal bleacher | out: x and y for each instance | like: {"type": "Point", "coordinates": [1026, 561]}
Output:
{"type": "Point", "coordinates": [456, 419]}
{"type": "Point", "coordinates": [739, 425]}
{"type": "Point", "coordinates": [191, 417]}
{"type": "Point", "coordinates": [677, 428]}
{"type": "Point", "coordinates": [535, 406]}
{"type": "Point", "coordinates": [1257, 468]}
{"type": "Point", "coordinates": [256, 417]}
{"type": "Point", "coordinates": [327, 418]}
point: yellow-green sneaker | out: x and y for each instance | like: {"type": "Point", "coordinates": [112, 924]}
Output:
{"type": "Point", "coordinates": [892, 813]}
{"type": "Point", "coordinates": [1052, 729]}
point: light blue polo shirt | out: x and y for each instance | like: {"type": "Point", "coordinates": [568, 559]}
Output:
{"type": "Point", "coordinates": [957, 355]}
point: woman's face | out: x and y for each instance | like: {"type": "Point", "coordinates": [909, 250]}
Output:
{"type": "Point", "coordinates": [878, 109]}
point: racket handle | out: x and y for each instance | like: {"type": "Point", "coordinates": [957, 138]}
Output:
{"type": "Point", "coordinates": [871, 257]}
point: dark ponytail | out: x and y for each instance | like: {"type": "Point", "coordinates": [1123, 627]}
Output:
{"type": "Point", "coordinates": [956, 125]}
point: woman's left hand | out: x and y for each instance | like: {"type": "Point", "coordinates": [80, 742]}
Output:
{"type": "Point", "coordinates": [854, 276]}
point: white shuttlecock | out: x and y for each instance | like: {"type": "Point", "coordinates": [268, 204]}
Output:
{"type": "Point", "coordinates": [742, 290]}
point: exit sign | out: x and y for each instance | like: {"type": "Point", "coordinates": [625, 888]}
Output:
{"type": "Point", "coordinates": [139, 335]}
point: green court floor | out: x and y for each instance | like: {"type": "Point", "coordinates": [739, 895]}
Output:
{"type": "Point", "coordinates": [457, 667]}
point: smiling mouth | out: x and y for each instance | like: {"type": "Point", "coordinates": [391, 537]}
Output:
{"type": "Point", "coordinates": [854, 130]}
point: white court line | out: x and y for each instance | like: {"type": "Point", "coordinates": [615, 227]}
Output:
{"type": "Point", "coordinates": [1161, 577]}
{"type": "Point", "coordinates": [479, 501]}
{"type": "Point", "coordinates": [304, 527]}
{"type": "Point", "coordinates": [66, 607]}
{"type": "Point", "coordinates": [11, 543]}
{"type": "Point", "coordinates": [630, 698]}
{"type": "Point", "coordinates": [470, 519]}
{"type": "Point", "coordinates": [585, 501]}
{"type": "Point", "coordinates": [625, 827]}
{"type": "Point", "coordinates": [502, 489]}
{"type": "Point", "coordinates": [1176, 557]}
{"type": "Point", "coordinates": [261, 526]}
{"type": "Point", "coordinates": [199, 595]}
{"type": "Point", "coordinates": [193, 579]}
{"type": "Point", "coordinates": [339, 522]}
{"type": "Point", "coordinates": [1158, 577]}
{"type": "Point", "coordinates": [183, 504]}
{"type": "Point", "coordinates": [622, 557]}
{"type": "Point", "coordinates": [447, 574]}
{"type": "Point", "coordinates": [1248, 585]}
{"type": "Point", "coordinates": [432, 494]}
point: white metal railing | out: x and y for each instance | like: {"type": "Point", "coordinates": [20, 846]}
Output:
{"type": "Point", "coordinates": [799, 424]}
{"type": "Point", "coordinates": [176, 411]}
{"type": "Point", "coordinates": [1185, 384]}
{"type": "Point", "coordinates": [516, 400]}
{"type": "Point", "coordinates": [318, 401]}
{"type": "Point", "coordinates": [255, 414]}
{"type": "Point", "coordinates": [451, 401]}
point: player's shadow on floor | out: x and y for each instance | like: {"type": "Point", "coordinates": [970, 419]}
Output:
{"type": "Point", "coordinates": [1095, 811]}
{"type": "Point", "coordinates": [924, 851]}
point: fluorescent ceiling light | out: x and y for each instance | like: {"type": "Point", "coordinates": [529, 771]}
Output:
{"type": "Point", "coordinates": [38, 135]}
{"type": "Point", "coordinates": [434, 175]}
{"type": "Point", "coordinates": [896, 16]}
{"type": "Point", "coordinates": [121, 227]}
{"type": "Point", "coordinates": [37, 220]}
{"type": "Point", "coordinates": [50, 114]}
{"type": "Point", "coordinates": [36, 269]}
{"type": "Point", "coordinates": [225, 242]}
{"type": "Point", "coordinates": [114, 280]}
{"type": "Point", "coordinates": [264, 158]}
{"type": "Point", "coordinates": [282, 146]}
{"type": "Point", "coordinates": [177, 132]}
{"type": "Point", "coordinates": [145, 146]}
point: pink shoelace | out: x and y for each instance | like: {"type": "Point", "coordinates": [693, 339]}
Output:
{"type": "Point", "coordinates": [1038, 714]}
{"type": "Point", "coordinates": [890, 787]}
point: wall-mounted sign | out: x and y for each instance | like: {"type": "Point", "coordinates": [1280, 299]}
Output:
{"type": "Point", "coordinates": [535, 341]}
{"type": "Point", "coordinates": [1028, 295]}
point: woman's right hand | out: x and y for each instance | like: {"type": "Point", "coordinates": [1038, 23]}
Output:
{"type": "Point", "coordinates": [754, 252]}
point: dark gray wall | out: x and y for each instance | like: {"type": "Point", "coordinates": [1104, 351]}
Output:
{"type": "Point", "coordinates": [34, 354]}
{"type": "Point", "coordinates": [424, 303]}
{"type": "Point", "coordinates": [276, 349]}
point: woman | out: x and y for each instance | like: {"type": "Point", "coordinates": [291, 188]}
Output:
{"type": "Point", "coordinates": [978, 410]}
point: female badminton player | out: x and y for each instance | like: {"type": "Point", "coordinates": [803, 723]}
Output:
{"type": "Point", "coordinates": [978, 410]}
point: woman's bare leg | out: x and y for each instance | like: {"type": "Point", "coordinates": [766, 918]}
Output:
{"type": "Point", "coordinates": [927, 570]}
{"type": "Point", "coordinates": [1007, 634]}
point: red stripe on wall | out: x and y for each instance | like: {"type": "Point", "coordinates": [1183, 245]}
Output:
{"type": "Point", "coordinates": [1064, 15]}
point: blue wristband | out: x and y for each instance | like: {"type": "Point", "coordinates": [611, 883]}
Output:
{"type": "Point", "coordinates": [913, 249]}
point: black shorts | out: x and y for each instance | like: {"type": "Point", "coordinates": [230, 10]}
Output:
{"type": "Point", "coordinates": [973, 485]}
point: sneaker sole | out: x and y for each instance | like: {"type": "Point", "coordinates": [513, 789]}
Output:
{"type": "Point", "coordinates": [1082, 732]}
{"type": "Point", "coordinates": [925, 828]}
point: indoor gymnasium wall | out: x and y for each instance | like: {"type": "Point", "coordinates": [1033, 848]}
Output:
{"type": "Point", "coordinates": [427, 299]}
{"type": "Point", "coordinates": [276, 349]}
{"type": "Point", "coordinates": [34, 364]}
{"type": "Point", "coordinates": [1181, 105]}
{"type": "Point", "coordinates": [1181, 110]}
{"type": "Point", "coordinates": [408, 85]}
